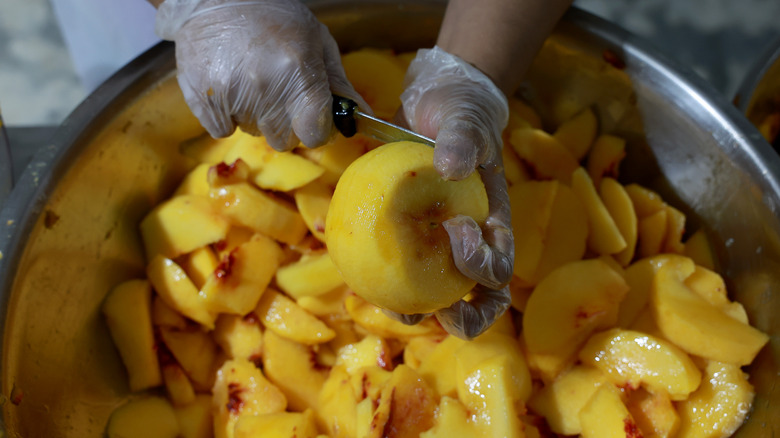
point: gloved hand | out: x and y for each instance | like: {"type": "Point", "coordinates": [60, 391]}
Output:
{"type": "Point", "coordinates": [462, 109]}
{"type": "Point", "coordinates": [267, 66]}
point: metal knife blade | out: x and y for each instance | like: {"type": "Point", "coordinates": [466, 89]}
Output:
{"type": "Point", "coordinates": [349, 120]}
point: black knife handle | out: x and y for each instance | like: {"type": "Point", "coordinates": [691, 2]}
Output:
{"type": "Point", "coordinates": [344, 115]}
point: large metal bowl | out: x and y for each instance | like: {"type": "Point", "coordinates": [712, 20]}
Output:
{"type": "Point", "coordinates": [68, 232]}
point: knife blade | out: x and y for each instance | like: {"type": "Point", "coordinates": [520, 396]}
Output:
{"type": "Point", "coordinates": [349, 120]}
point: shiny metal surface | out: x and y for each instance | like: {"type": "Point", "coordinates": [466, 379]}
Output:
{"type": "Point", "coordinates": [759, 92]}
{"type": "Point", "coordinates": [68, 232]}
{"type": "Point", "coordinates": [6, 167]}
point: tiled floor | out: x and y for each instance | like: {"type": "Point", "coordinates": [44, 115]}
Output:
{"type": "Point", "coordinates": [41, 81]}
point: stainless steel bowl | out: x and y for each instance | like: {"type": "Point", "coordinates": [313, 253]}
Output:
{"type": "Point", "coordinates": [68, 232]}
{"type": "Point", "coordinates": [759, 93]}
{"type": "Point", "coordinates": [6, 169]}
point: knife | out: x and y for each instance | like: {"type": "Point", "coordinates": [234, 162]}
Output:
{"type": "Point", "coordinates": [349, 120]}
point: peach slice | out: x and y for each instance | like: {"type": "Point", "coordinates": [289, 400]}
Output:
{"type": "Point", "coordinates": [247, 206]}
{"type": "Point", "coordinates": [366, 69]}
{"type": "Point", "coordinates": [241, 390]}
{"type": "Point", "coordinates": [371, 318]}
{"type": "Point", "coordinates": [562, 312]}
{"type": "Point", "coordinates": [406, 406]}
{"type": "Point", "coordinates": [277, 425]}
{"type": "Point", "coordinates": [605, 157]}
{"type": "Point", "coordinates": [698, 327]}
{"type": "Point", "coordinates": [313, 202]}
{"type": "Point", "coordinates": [177, 290]}
{"type": "Point", "coordinates": [293, 368]}
{"type": "Point", "coordinates": [195, 351]}
{"type": "Point", "coordinates": [654, 412]}
{"type": "Point", "coordinates": [699, 249]}
{"type": "Point", "coordinates": [490, 396]}
{"type": "Point", "coordinates": [605, 415]}
{"type": "Point", "coordinates": [284, 317]}
{"type": "Point", "coordinates": [384, 228]}
{"type": "Point", "coordinates": [238, 282]}
{"type": "Point", "coordinates": [720, 405]}
{"type": "Point", "coordinates": [639, 276]}
{"type": "Point", "coordinates": [240, 337]}
{"type": "Point", "coordinates": [604, 237]}
{"type": "Point", "coordinates": [180, 225]}
{"type": "Point", "coordinates": [577, 134]}
{"type": "Point", "coordinates": [195, 182]}
{"type": "Point", "coordinates": [452, 420]}
{"type": "Point", "coordinates": [561, 401]}
{"type": "Point", "coordinates": [546, 156]}
{"type": "Point", "coordinates": [620, 208]}
{"type": "Point", "coordinates": [128, 313]}
{"type": "Point", "coordinates": [148, 417]}
{"type": "Point", "coordinates": [195, 419]}
{"type": "Point", "coordinates": [312, 275]}
{"type": "Point", "coordinates": [630, 359]}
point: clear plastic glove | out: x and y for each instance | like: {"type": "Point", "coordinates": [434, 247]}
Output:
{"type": "Point", "coordinates": [266, 66]}
{"type": "Point", "coordinates": [462, 109]}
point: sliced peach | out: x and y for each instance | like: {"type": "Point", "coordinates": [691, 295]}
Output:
{"type": "Point", "coordinates": [639, 276]}
{"type": "Point", "coordinates": [128, 313]}
{"type": "Point", "coordinates": [200, 264]}
{"type": "Point", "coordinates": [697, 326]}
{"type": "Point", "coordinates": [241, 390]}
{"type": "Point", "coordinates": [605, 415]}
{"type": "Point", "coordinates": [313, 201]}
{"type": "Point", "coordinates": [652, 232]}
{"type": "Point", "coordinates": [577, 134]}
{"type": "Point", "coordinates": [373, 320]}
{"type": "Point", "coordinates": [532, 201]}
{"type": "Point", "coordinates": [195, 419]}
{"type": "Point", "coordinates": [177, 384]}
{"type": "Point", "coordinates": [699, 249]}
{"type": "Point", "coordinates": [277, 425]}
{"type": "Point", "coordinates": [562, 313]}
{"type": "Point", "coordinates": [561, 401]}
{"type": "Point", "coordinates": [239, 281]}
{"type": "Point", "coordinates": [180, 225]}
{"type": "Point", "coordinates": [366, 69]}
{"type": "Point", "coordinates": [205, 149]}
{"type": "Point", "coordinates": [143, 417]}
{"type": "Point", "coordinates": [248, 206]}
{"type": "Point", "coordinates": [312, 275]}
{"type": "Point", "coordinates": [195, 182]}
{"type": "Point", "coordinates": [547, 158]}
{"type": "Point", "coordinates": [177, 290]}
{"type": "Point", "coordinates": [604, 237]}
{"type": "Point", "coordinates": [452, 419]}
{"type": "Point", "coordinates": [284, 317]}
{"type": "Point", "coordinates": [406, 406]}
{"type": "Point", "coordinates": [621, 209]}
{"type": "Point", "coordinates": [630, 359]}
{"type": "Point", "coordinates": [605, 157]}
{"type": "Point", "coordinates": [654, 412]}
{"type": "Point", "coordinates": [489, 393]}
{"type": "Point", "coordinates": [240, 337]}
{"type": "Point", "coordinates": [470, 355]}
{"type": "Point", "coordinates": [720, 405]}
{"type": "Point", "coordinates": [293, 369]}
{"type": "Point", "coordinates": [195, 351]}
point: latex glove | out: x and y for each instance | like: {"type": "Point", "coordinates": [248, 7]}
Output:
{"type": "Point", "coordinates": [266, 66]}
{"type": "Point", "coordinates": [449, 100]}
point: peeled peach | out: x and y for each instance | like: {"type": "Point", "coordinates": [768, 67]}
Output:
{"type": "Point", "coordinates": [384, 228]}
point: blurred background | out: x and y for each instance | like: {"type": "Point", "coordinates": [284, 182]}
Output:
{"type": "Point", "coordinates": [53, 53]}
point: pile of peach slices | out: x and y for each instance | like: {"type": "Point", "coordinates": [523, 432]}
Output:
{"type": "Point", "coordinates": [245, 326]}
